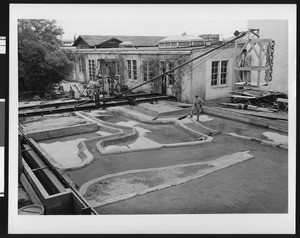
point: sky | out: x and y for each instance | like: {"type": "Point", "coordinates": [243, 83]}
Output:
{"type": "Point", "coordinates": [142, 19]}
{"type": "Point", "coordinates": [146, 27]}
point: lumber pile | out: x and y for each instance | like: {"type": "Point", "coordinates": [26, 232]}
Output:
{"type": "Point", "coordinates": [255, 96]}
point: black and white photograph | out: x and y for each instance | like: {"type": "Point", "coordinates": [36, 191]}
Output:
{"type": "Point", "coordinates": [152, 118]}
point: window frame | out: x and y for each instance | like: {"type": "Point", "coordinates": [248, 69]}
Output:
{"type": "Point", "coordinates": [226, 72]}
{"type": "Point", "coordinates": [92, 70]}
{"type": "Point", "coordinates": [132, 69]}
{"type": "Point", "coordinates": [145, 70]}
{"type": "Point", "coordinates": [171, 75]}
{"type": "Point", "coordinates": [129, 66]}
{"type": "Point", "coordinates": [80, 64]}
{"type": "Point", "coordinates": [220, 81]}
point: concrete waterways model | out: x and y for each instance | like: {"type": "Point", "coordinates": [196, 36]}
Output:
{"type": "Point", "coordinates": [72, 148]}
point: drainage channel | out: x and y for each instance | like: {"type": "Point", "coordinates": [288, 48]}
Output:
{"type": "Point", "coordinates": [46, 186]}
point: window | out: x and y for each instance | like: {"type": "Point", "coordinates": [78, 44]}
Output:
{"type": "Point", "coordinates": [184, 44]}
{"type": "Point", "coordinates": [219, 74]}
{"type": "Point", "coordinates": [129, 68]}
{"type": "Point", "coordinates": [197, 43]}
{"type": "Point", "coordinates": [112, 67]}
{"type": "Point", "coordinates": [214, 72]}
{"type": "Point", "coordinates": [223, 72]}
{"type": "Point", "coordinates": [171, 76]}
{"type": "Point", "coordinates": [80, 64]}
{"type": "Point", "coordinates": [167, 44]}
{"type": "Point", "coordinates": [92, 70]}
{"type": "Point", "coordinates": [118, 68]}
{"type": "Point", "coordinates": [161, 45]}
{"type": "Point", "coordinates": [132, 69]}
{"type": "Point", "coordinates": [145, 70]}
{"type": "Point", "coordinates": [174, 44]}
{"type": "Point", "coordinates": [163, 66]}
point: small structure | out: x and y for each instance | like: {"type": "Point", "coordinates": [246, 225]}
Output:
{"type": "Point", "coordinates": [67, 42]}
{"type": "Point", "coordinates": [181, 41]}
{"type": "Point", "coordinates": [126, 44]}
{"type": "Point", "coordinates": [262, 52]}
{"type": "Point", "coordinates": [212, 38]}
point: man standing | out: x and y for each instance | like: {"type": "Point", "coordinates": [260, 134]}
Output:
{"type": "Point", "coordinates": [246, 62]}
{"type": "Point", "coordinates": [197, 105]}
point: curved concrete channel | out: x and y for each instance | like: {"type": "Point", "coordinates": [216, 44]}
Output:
{"type": "Point", "coordinates": [126, 137]}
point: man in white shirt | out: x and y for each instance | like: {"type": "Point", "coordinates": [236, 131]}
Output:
{"type": "Point", "coordinates": [197, 105]}
{"type": "Point", "coordinates": [246, 62]}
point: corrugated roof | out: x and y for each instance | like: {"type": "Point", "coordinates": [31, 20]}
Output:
{"type": "Point", "coordinates": [93, 40]}
{"type": "Point", "coordinates": [181, 38]}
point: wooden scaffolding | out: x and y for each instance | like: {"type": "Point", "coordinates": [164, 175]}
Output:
{"type": "Point", "coordinates": [262, 51]}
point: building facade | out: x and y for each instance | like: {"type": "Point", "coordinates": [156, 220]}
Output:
{"type": "Point", "coordinates": [209, 77]}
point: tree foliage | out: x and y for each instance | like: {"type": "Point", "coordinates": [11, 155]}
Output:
{"type": "Point", "coordinates": [41, 61]}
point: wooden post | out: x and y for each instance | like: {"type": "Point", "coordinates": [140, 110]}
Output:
{"type": "Point", "coordinates": [259, 63]}
{"type": "Point", "coordinates": [235, 63]}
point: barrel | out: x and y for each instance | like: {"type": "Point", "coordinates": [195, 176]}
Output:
{"type": "Point", "coordinates": [33, 209]}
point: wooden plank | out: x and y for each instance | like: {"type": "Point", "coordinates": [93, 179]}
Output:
{"type": "Point", "coordinates": [259, 63]}
{"type": "Point", "coordinates": [250, 107]}
{"type": "Point", "coordinates": [253, 47]}
{"type": "Point", "coordinates": [251, 69]}
{"type": "Point", "coordinates": [283, 100]}
{"type": "Point", "coordinates": [240, 96]}
{"type": "Point", "coordinates": [35, 183]}
{"type": "Point", "coordinates": [235, 63]}
{"type": "Point", "coordinates": [50, 180]}
{"type": "Point", "coordinates": [269, 115]}
{"type": "Point", "coordinates": [59, 204]}
{"type": "Point", "coordinates": [33, 160]}
{"type": "Point", "coordinates": [256, 40]}
{"type": "Point", "coordinates": [46, 176]}
{"type": "Point", "coordinates": [29, 189]}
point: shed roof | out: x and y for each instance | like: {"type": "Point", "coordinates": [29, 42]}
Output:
{"type": "Point", "coordinates": [93, 40]}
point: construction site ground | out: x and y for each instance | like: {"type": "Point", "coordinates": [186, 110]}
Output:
{"type": "Point", "coordinates": [256, 184]}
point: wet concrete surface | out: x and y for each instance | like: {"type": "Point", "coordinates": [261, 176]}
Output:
{"type": "Point", "coordinates": [240, 128]}
{"type": "Point", "coordinates": [256, 186]}
{"type": "Point", "coordinates": [163, 134]}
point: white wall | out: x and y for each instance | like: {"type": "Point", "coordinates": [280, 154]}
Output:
{"type": "Point", "coordinates": [276, 30]}
{"type": "Point", "coordinates": [202, 76]}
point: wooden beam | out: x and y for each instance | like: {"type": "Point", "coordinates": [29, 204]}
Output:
{"type": "Point", "coordinates": [253, 47]}
{"type": "Point", "coordinates": [29, 189]}
{"type": "Point", "coordinates": [251, 69]}
{"type": "Point", "coordinates": [259, 63]}
{"type": "Point", "coordinates": [256, 40]}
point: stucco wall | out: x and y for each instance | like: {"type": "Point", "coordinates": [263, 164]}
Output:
{"type": "Point", "coordinates": [276, 30]}
{"type": "Point", "coordinates": [195, 77]}
{"type": "Point", "coordinates": [202, 76]}
{"type": "Point", "coordinates": [184, 74]}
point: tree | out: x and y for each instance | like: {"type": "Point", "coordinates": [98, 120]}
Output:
{"type": "Point", "coordinates": [41, 61]}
